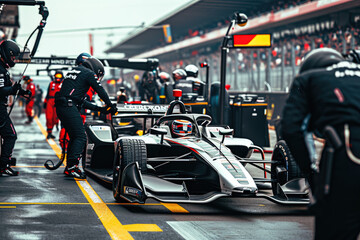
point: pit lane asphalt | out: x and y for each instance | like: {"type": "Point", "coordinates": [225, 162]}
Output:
{"type": "Point", "coordinates": [43, 204]}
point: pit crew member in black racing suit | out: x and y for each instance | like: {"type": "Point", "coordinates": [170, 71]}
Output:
{"type": "Point", "coordinates": [327, 91]}
{"type": "Point", "coordinates": [9, 50]}
{"type": "Point", "coordinates": [68, 102]}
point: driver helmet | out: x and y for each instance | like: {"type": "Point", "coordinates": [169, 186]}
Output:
{"type": "Point", "coordinates": [181, 128]}
{"type": "Point", "coordinates": [9, 50]}
{"type": "Point", "coordinates": [59, 76]}
{"type": "Point", "coordinates": [192, 70]}
{"type": "Point", "coordinates": [95, 65]}
{"type": "Point", "coordinates": [81, 58]}
{"type": "Point", "coordinates": [27, 79]}
{"type": "Point", "coordinates": [179, 74]}
{"type": "Point", "coordinates": [320, 58]}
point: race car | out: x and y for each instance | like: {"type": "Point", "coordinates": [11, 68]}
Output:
{"type": "Point", "coordinates": [182, 159]}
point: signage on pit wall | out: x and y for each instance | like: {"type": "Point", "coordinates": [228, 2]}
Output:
{"type": "Point", "coordinates": [251, 40]}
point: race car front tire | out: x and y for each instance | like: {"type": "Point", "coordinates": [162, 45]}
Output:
{"type": "Point", "coordinates": [128, 151]}
{"type": "Point", "coordinates": [282, 154]}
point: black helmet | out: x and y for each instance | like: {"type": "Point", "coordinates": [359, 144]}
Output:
{"type": "Point", "coordinates": [9, 50]}
{"type": "Point", "coordinates": [27, 79]}
{"type": "Point", "coordinates": [81, 58]}
{"type": "Point", "coordinates": [320, 58]}
{"type": "Point", "coordinates": [164, 77]}
{"type": "Point", "coordinates": [95, 65]}
{"type": "Point", "coordinates": [179, 74]}
{"type": "Point", "coordinates": [192, 70]}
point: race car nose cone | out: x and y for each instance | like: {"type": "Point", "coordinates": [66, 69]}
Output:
{"type": "Point", "coordinates": [177, 93]}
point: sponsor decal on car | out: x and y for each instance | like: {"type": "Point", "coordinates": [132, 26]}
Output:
{"type": "Point", "coordinates": [132, 191]}
{"type": "Point", "coordinates": [143, 108]}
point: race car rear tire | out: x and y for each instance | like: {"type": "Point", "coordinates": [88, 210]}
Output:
{"type": "Point", "coordinates": [128, 151]}
{"type": "Point", "coordinates": [282, 154]}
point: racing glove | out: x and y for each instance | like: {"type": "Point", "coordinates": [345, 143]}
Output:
{"type": "Point", "coordinates": [112, 109]}
{"type": "Point", "coordinates": [25, 93]}
{"type": "Point", "coordinates": [109, 109]}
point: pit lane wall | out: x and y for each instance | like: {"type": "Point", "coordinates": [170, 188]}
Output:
{"type": "Point", "coordinates": [253, 119]}
{"type": "Point", "coordinates": [275, 100]}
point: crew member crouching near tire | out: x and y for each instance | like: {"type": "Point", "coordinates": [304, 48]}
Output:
{"type": "Point", "coordinates": [326, 92]}
{"type": "Point", "coordinates": [49, 103]}
{"type": "Point", "coordinates": [9, 50]}
{"type": "Point", "coordinates": [30, 101]}
{"type": "Point", "coordinates": [68, 102]}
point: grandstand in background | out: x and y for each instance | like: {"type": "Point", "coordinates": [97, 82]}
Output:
{"type": "Point", "coordinates": [296, 26]}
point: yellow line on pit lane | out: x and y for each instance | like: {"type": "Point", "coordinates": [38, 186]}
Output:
{"type": "Point", "coordinates": [175, 208]}
{"type": "Point", "coordinates": [51, 142]}
{"type": "Point", "coordinates": [112, 225]}
{"type": "Point", "coordinates": [7, 206]}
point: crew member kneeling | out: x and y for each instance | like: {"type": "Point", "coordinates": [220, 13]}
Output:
{"type": "Point", "coordinates": [327, 92]}
{"type": "Point", "coordinates": [68, 102]}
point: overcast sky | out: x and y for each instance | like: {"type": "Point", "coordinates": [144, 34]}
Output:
{"type": "Point", "coordinates": [74, 14]}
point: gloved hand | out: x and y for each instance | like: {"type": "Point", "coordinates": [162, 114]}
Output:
{"type": "Point", "coordinates": [25, 93]}
{"type": "Point", "coordinates": [112, 109]}
{"type": "Point", "coordinates": [16, 87]}
{"type": "Point", "coordinates": [109, 109]}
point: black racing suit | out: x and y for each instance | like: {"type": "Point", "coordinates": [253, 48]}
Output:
{"type": "Point", "coordinates": [331, 97]}
{"type": "Point", "coordinates": [7, 130]}
{"type": "Point", "coordinates": [68, 102]}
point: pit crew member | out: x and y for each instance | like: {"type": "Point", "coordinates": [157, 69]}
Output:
{"type": "Point", "coordinates": [68, 101]}
{"type": "Point", "coordinates": [30, 101]}
{"type": "Point", "coordinates": [326, 92]}
{"type": "Point", "coordinates": [9, 50]}
{"type": "Point", "coordinates": [49, 103]}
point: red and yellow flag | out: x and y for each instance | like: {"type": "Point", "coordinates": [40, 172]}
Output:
{"type": "Point", "coordinates": [252, 40]}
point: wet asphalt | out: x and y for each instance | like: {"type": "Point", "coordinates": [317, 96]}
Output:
{"type": "Point", "coordinates": [43, 204]}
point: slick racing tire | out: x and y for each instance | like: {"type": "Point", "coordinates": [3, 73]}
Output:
{"type": "Point", "coordinates": [127, 152]}
{"type": "Point", "coordinates": [282, 154]}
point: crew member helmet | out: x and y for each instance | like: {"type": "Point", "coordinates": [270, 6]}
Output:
{"type": "Point", "coordinates": [81, 58]}
{"type": "Point", "coordinates": [27, 79]}
{"type": "Point", "coordinates": [181, 128]}
{"type": "Point", "coordinates": [320, 58]}
{"type": "Point", "coordinates": [59, 76]}
{"type": "Point", "coordinates": [95, 65]}
{"type": "Point", "coordinates": [192, 70]}
{"type": "Point", "coordinates": [9, 50]}
{"type": "Point", "coordinates": [164, 77]}
{"type": "Point", "coordinates": [179, 74]}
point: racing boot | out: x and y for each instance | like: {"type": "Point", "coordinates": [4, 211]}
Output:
{"type": "Point", "coordinates": [50, 136]}
{"type": "Point", "coordinates": [75, 172]}
{"type": "Point", "coordinates": [29, 120]}
{"type": "Point", "coordinates": [8, 170]}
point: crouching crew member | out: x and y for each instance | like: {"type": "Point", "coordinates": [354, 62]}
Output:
{"type": "Point", "coordinates": [327, 92]}
{"type": "Point", "coordinates": [30, 101]}
{"type": "Point", "coordinates": [49, 103]}
{"type": "Point", "coordinates": [9, 50]}
{"type": "Point", "coordinates": [68, 102]}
